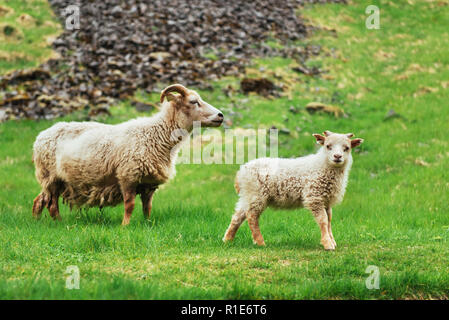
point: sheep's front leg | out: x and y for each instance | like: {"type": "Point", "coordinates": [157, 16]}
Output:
{"type": "Point", "coordinates": [129, 197]}
{"type": "Point", "coordinates": [253, 222]}
{"type": "Point", "coordinates": [321, 218]}
{"type": "Point", "coordinates": [329, 218]}
{"type": "Point", "coordinates": [147, 199]}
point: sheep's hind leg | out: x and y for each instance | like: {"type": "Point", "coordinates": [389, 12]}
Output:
{"type": "Point", "coordinates": [253, 222]}
{"type": "Point", "coordinates": [147, 198]}
{"type": "Point", "coordinates": [322, 219]}
{"type": "Point", "coordinates": [329, 227]}
{"type": "Point", "coordinates": [237, 219]}
{"type": "Point", "coordinates": [129, 197]}
{"type": "Point", "coordinates": [53, 207]}
{"type": "Point", "coordinates": [38, 205]}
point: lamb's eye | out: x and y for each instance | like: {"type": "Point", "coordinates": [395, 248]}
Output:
{"type": "Point", "coordinates": [194, 102]}
{"type": "Point", "coordinates": [329, 147]}
{"type": "Point", "coordinates": [346, 149]}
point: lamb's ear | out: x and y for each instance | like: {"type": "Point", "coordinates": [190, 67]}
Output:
{"type": "Point", "coordinates": [356, 142]}
{"type": "Point", "coordinates": [319, 138]}
{"type": "Point", "coordinates": [349, 135]}
{"type": "Point", "coordinates": [327, 133]}
{"type": "Point", "coordinates": [179, 88]}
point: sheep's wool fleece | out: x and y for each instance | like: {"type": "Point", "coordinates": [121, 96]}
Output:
{"type": "Point", "coordinates": [89, 161]}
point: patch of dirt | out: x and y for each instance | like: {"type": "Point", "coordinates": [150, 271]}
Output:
{"type": "Point", "coordinates": [313, 107]}
{"type": "Point", "coordinates": [26, 20]}
{"type": "Point", "coordinates": [9, 33]}
{"type": "Point", "coordinates": [4, 11]}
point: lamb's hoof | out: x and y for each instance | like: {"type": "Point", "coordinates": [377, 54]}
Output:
{"type": "Point", "coordinates": [328, 246]}
{"type": "Point", "coordinates": [260, 243]}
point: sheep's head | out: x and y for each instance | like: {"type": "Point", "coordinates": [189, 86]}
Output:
{"type": "Point", "coordinates": [189, 107]}
{"type": "Point", "coordinates": [337, 146]}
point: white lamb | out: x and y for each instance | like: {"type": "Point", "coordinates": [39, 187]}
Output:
{"type": "Point", "coordinates": [94, 164]}
{"type": "Point", "coordinates": [316, 182]}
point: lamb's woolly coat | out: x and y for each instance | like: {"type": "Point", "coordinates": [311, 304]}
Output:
{"type": "Point", "coordinates": [291, 183]}
{"type": "Point", "coordinates": [317, 182]}
{"type": "Point", "coordinates": [87, 160]}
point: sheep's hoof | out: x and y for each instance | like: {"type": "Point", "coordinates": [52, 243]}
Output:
{"type": "Point", "coordinates": [260, 243]}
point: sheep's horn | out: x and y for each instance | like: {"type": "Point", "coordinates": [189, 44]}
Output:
{"type": "Point", "coordinates": [179, 88]}
{"type": "Point", "coordinates": [327, 133]}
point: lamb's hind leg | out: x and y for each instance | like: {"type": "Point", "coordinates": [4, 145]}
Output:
{"type": "Point", "coordinates": [253, 222]}
{"type": "Point", "coordinates": [237, 219]}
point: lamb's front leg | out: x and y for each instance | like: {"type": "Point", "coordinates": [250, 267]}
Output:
{"type": "Point", "coordinates": [329, 218]}
{"type": "Point", "coordinates": [129, 196]}
{"type": "Point", "coordinates": [321, 218]}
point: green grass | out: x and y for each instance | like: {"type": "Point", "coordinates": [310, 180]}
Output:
{"type": "Point", "coordinates": [395, 214]}
{"type": "Point", "coordinates": [26, 42]}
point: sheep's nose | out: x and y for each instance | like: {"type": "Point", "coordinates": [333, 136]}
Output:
{"type": "Point", "coordinates": [337, 156]}
{"type": "Point", "coordinates": [220, 115]}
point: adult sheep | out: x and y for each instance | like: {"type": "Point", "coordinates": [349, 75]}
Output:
{"type": "Point", "coordinates": [93, 164]}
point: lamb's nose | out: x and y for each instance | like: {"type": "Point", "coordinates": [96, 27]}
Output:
{"type": "Point", "coordinates": [220, 115]}
{"type": "Point", "coordinates": [337, 156]}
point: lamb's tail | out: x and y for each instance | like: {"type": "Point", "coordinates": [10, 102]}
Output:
{"type": "Point", "coordinates": [236, 185]}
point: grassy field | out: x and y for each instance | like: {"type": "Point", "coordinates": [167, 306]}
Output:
{"type": "Point", "coordinates": [395, 214]}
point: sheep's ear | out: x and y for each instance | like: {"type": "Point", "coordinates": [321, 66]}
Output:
{"type": "Point", "coordinates": [327, 133]}
{"type": "Point", "coordinates": [356, 142]}
{"type": "Point", "coordinates": [349, 135]}
{"type": "Point", "coordinates": [179, 88]}
{"type": "Point", "coordinates": [319, 138]}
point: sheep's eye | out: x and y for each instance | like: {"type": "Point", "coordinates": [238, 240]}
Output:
{"type": "Point", "coordinates": [346, 148]}
{"type": "Point", "coordinates": [329, 147]}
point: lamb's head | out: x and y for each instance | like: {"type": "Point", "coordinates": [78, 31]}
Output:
{"type": "Point", "coordinates": [189, 107]}
{"type": "Point", "coordinates": [337, 147]}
